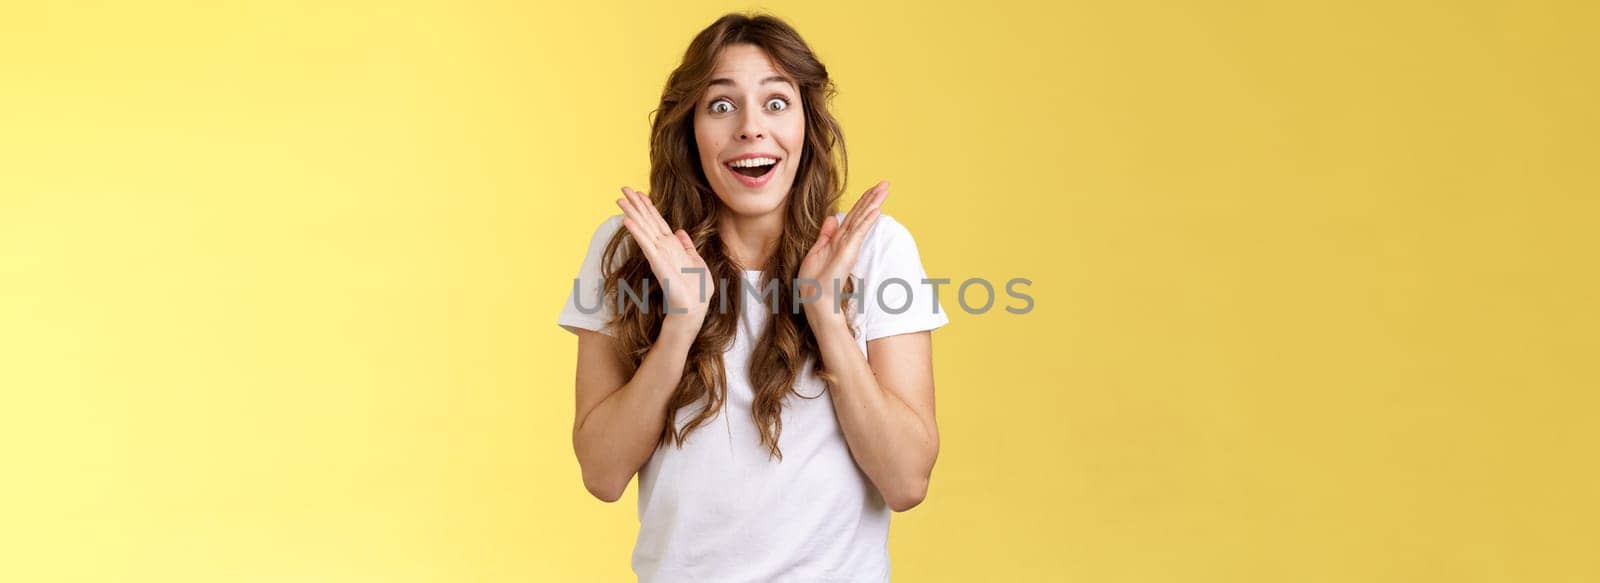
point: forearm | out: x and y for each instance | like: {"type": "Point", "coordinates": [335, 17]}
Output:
{"type": "Point", "coordinates": [619, 435]}
{"type": "Point", "coordinates": [894, 446]}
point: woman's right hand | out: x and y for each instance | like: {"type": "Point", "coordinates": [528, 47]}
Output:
{"type": "Point", "coordinates": [672, 256]}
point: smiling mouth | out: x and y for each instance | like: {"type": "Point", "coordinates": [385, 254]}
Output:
{"type": "Point", "coordinates": [753, 167]}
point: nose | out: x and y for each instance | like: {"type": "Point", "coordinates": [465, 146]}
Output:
{"type": "Point", "coordinates": [750, 129]}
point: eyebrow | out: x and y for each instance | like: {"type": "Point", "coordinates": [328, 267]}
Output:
{"type": "Point", "coordinates": [772, 79]}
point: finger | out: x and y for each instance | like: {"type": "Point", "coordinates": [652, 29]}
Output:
{"type": "Point", "coordinates": [864, 196]}
{"type": "Point", "coordinates": [830, 226]}
{"type": "Point", "coordinates": [876, 201]}
{"type": "Point", "coordinates": [862, 221]}
{"type": "Point", "coordinates": [651, 225]}
{"type": "Point", "coordinates": [643, 230]}
{"type": "Point", "coordinates": [878, 196]}
{"type": "Point", "coordinates": [686, 240]}
{"type": "Point", "coordinates": [631, 215]}
{"type": "Point", "coordinates": [867, 199]}
{"type": "Point", "coordinates": [647, 211]}
{"type": "Point", "coordinates": [860, 233]}
{"type": "Point", "coordinates": [646, 244]}
{"type": "Point", "coordinates": [652, 206]}
{"type": "Point", "coordinates": [845, 222]}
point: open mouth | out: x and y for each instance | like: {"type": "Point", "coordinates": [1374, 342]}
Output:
{"type": "Point", "coordinates": [753, 168]}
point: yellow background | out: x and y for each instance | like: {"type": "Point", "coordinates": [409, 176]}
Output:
{"type": "Point", "coordinates": [1315, 284]}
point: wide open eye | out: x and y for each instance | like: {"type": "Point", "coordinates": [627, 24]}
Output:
{"type": "Point", "coordinates": [777, 104]}
{"type": "Point", "coordinates": [721, 106]}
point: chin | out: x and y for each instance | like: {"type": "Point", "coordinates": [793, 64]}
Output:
{"type": "Point", "coordinates": [753, 204]}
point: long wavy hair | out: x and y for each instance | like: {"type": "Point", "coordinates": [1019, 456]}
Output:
{"type": "Point", "coordinates": [679, 188]}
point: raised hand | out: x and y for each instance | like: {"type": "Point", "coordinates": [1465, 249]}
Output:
{"type": "Point", "coordinates": [835, 253]}
{"type": "Point", "coordinates": [672, 256]}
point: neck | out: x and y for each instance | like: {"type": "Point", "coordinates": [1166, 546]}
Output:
{"type": "Point", "coordinates": [750, 239]}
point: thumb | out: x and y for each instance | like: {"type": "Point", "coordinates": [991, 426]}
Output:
{"type": "Point", "coordinates": [683, 237]}
{"type": "Point", "coordinates": [829, 226]}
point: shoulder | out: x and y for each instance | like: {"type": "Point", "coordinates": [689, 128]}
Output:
{"type": "Point", "coordinates": [892, 271]}
{"type": "Point", "coordinates": [888, 235]}
{"type": "Point", "coordinates": [602, 236]}
{"type": "Point", "coordinates": [604, 232]}
{"type": "Point", "coordinates": [885, 233]}
{"type": "Point", "coordinates": [608, 227]}
{"type": "Point", "coordinates": [887, 246]}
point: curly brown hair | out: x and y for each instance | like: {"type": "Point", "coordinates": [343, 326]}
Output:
{"type": "Point", "coordinates": [678, 187]}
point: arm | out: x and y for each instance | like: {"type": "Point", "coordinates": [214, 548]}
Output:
{"type": "Point", "coordinates": [619, 419]}
{"type": "Point", "coordinates": [620, 416]}
{"type": "Point", "coordinates": [885, 408]}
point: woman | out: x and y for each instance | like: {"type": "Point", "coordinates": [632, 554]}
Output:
{"type": "Point", "coordinates": [772, 433]}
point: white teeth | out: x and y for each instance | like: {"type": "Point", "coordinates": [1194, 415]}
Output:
{"type": "Point", "coordinates": [752, 162]}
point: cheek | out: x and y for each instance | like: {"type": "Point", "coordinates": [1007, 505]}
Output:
{"type": "Point", "coordinates": [793, 136]}
{"type": "Point", "coordinates": [708, 152]}
{"type": "Point", "coordinates": [707, 144]}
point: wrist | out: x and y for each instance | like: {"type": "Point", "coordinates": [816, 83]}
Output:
{"type": "Point", "coordinates": [823, 317]}
{"type": "Point", "coordinates": [683, 325]}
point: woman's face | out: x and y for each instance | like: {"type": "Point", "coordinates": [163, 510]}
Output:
{"type": "Point", "coordinates": [750, 128]}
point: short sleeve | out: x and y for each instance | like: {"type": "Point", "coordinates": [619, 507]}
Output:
{"type": "Point", "coordinates": [894, 296]}
{"type": "Point", "coordinates": [586, 307]}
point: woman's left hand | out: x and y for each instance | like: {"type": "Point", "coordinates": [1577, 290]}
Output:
{"type": "Point", "coordinates": [834, 255]}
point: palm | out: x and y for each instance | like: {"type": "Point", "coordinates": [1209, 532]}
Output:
{"type": "Point", "coordinates": [838, 245]}
{"type": "Point", "coordinates": [671, 254]}
{"type": "Point", "coordinates": [826, 256]}
{"type": "Point", "coordinates": [681, 267]}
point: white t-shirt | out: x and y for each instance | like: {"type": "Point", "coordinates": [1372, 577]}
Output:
{"type": "Point", "coordinates": [719, 509]}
